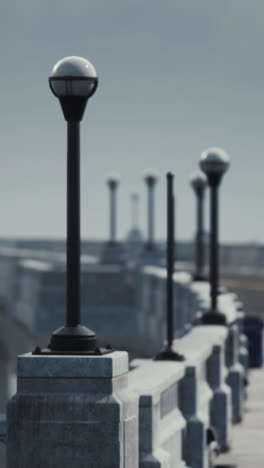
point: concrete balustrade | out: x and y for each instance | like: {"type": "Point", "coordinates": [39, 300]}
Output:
{"type": "Point", "coordinates": [11, 260]}
{"type": "Point", "coordinates": [161, 423]}
{"type": "Point", "coordinates": [152, 304]}
{"type": "Point", "coordinates": [158, 414]}
{"type": "Point", "coordinates": [220, 405]}
{"type": "Point", "coordinates": [195, 396]}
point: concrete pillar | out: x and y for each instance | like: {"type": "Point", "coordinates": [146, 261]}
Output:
{"type": "Point", "coordinates": [195, 440]}
{"type": "Point", "coordinates": [220, 405]}
{"type": "Point", "coordinates": [235, 377]}
{"type": "Point", "coordinates": [72, 412]}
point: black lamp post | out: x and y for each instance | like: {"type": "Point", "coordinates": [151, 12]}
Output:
{"type": "Point", "coordinates": [73, 81]}
{"type": "Point", "coordinates": [151, 177]}
{"type": "Point", "coordinates": [214, 163]}
{"type": "Point", "coordinates": [168, 353]}
{"type": "Point", "coordinates": [113, 182]}
{"type": "Point", "coordinates": [198, 182]}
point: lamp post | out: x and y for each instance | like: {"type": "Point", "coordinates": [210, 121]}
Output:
{"type": "Point", "coordinates": [134, 211]}
{"type": "Point", "coordinates": [214, 163]}
{"type": "Point", "coordinates": [113, 182]}
{"type": "Point", "coordinates": [151, 177]}
{"type": "Point", "coordinates": [198, 182]}
{"type": "Point", "coordinates": [168, 353]}
{"type": "Point", "coordinates": [73, 81]}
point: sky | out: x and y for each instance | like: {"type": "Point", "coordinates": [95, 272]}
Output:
{"type": "Point", "coordinates": [175, 77]}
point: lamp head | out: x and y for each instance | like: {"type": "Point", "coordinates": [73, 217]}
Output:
{"type": "Point", "coordinates": [113, 180]}
{"type": "Point", "coordinates": [214, 160]}
{"type": "Point", "coordinates": [198, 181]}
{"type": "Point", "coordinates": [73, 81]}
{"type": "Point", "coordinates": [151, 176]}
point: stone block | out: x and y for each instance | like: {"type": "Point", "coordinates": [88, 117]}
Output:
{"type": "Point", "coordinates": [73, 411]}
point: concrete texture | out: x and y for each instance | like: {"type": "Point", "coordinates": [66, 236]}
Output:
{"type": "Point", "coordinates": [161, 424]}
{"type": "Point", "coordinates": [107, 366]}
{"type": "Point", "coordinates": [51, 423]}
{"type": "Point", "coordinates": [248, 438]}
{"type": "Point", "coordinates": [220, 404]}
{"type": "Point", "coordinates": [195, 396]}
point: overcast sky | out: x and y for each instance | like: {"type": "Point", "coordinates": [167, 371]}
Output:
{"type": "Point", "coordinates": [175, 77]}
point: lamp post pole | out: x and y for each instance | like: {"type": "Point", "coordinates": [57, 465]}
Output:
{"type": "Point", "coordinates": [214, 246]}
{"type": "Point", "coordinates": [151, 177]}
{"type": "Point", "coordinates": [199, 181]}
{"type": "Point", "coordinates": [168, 353]}
{"type": "Point", "coordinates": [73, 81]}
{"type": "Point", "coordinates": [112, 182]}
{"type": "Point", "coordinates": [214, 163]}
{"type": "Point", "coordinates": [134, 211]}
{"type": "Point", "coordinates": [73, 224]}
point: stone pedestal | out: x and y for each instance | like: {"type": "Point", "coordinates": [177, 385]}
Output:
{"type": "Point", "coordinates": [73, 411]}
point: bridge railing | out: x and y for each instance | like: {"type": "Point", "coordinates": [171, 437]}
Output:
{"type": "Point", "coordinates": [181, 413]}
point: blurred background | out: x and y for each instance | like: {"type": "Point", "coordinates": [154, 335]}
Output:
{"type": "Point", "coordinates": [175, 78]}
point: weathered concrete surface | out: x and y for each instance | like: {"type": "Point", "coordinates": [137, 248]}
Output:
{"type": "Point", "coordinates": [73, 411]}
{"type": "Point", "coordinates": [248, 437]}
{"type": "Point", "coordinates": [161, 424]}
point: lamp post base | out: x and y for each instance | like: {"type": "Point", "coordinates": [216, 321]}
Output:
{"type": "Point", "coordinates": [168, 354]}
{"type": "Point", "coordinates": [199, 277]}
{"type": "Point", "coordinates": [213, 318]}
{"type": "Point", "coordinates": [76, 339]}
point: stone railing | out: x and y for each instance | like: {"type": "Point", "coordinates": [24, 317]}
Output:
{"type": "Point", "coordinates": [76, 411]}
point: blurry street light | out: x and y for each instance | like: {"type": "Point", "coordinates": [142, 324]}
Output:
{"type": "Point", "coordinates": [73, 81]}
{"type": "Point", "coordinates": [135, 211]}
{"type": "Point", "coordinates": [113, 182]}
{"type": "Point", "coordinates": [214, 163]}
{"type": "Point", "coordinates": [168, 353]}
{"type": "Point", "coordinates": [198, 181]}
{"type": "Point", "coordinates": [151, 177]}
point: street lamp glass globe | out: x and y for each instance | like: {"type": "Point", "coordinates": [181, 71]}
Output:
{"type": "Point", "coordinates": [198, 180]}
{"type": "Point", "coordinates": [73, 76]}
{"type": "Point", "coordinates": [214, 161]}
{"type": "Point", "coordinates": [113, 178]}
{"type": "Point", "coordinates": [151, 175]}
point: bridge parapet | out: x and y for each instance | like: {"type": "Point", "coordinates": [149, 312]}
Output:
{"type": "Point", "coordinates": [161, 422]}
{"type": "Point", "coordinates": [212, 376]}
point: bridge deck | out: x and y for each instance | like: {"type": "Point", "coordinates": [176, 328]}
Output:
{"type": "Point", "coordinates": [248, 437]}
